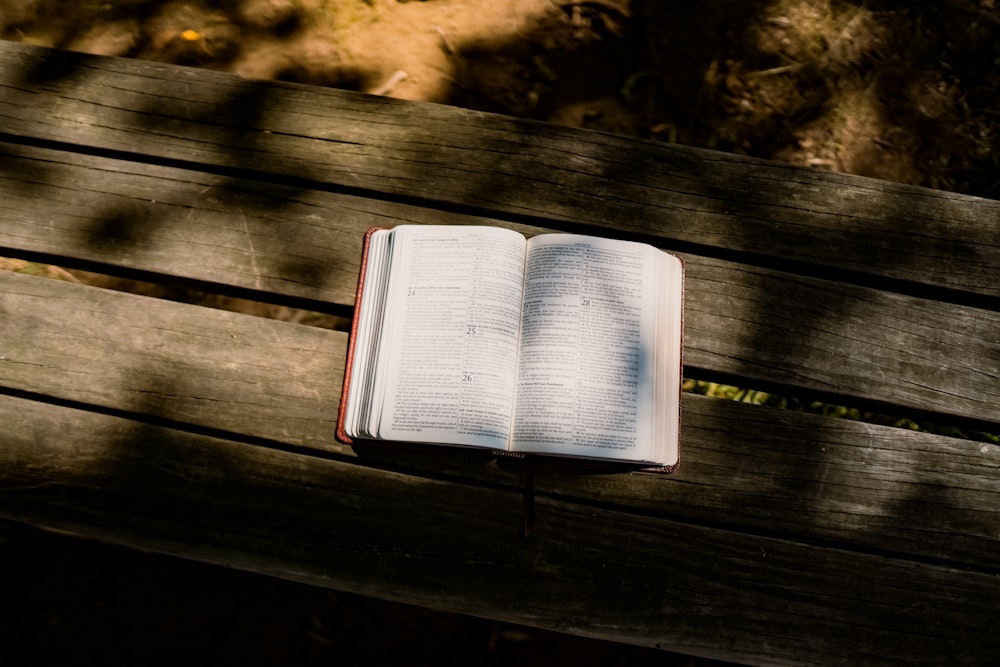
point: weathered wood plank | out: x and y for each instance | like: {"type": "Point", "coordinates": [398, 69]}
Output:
{"type": "Point", "coordinates": [193, 365]}
{"type": "Point", "coordinates": [558, 176]}
{"type": "Point", "coordinates": [929, 501]}
{"type": "Point", "coordinates": [783, 473]}
{"type": "Point", "coordinates": [761, 325]}
{"type": "Point", "coordinates": [588, 570]}
{"type": "Point", "coordinates": [776, 472]}
{"type": "Point", "coordinates": [228, 233]}
{"type": "Point", "coordinates": [845, 341]}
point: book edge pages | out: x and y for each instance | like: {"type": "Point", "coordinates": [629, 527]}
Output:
{"type": "Point", "coordinates": [667, 469]}
{"type": "Point", "coordinates": [349, 362]}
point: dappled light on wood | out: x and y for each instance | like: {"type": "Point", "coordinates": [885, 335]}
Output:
{"type": "Point", "coordinates": [783, 538]}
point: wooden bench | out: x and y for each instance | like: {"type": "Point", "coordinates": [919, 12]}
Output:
{"type": "Point", "coordinates": [785, 537]}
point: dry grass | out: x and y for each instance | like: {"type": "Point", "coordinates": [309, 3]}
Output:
{"type": "Point", "coordinates": [36, 269]}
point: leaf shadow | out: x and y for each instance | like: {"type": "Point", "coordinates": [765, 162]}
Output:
{"type": "Point", "coordinates": [235, 123]}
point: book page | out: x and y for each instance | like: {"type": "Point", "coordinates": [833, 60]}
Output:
{"type": "Point", "coordinates": [453, 317]}
{"type": "Point", "coordinates": [588, 327]}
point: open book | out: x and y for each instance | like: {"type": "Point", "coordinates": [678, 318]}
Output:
{"type": "Point", "coordinates": [475, 336]}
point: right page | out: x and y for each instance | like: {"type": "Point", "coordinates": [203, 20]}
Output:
{"type": "Point", "coordinates": [599, 365]}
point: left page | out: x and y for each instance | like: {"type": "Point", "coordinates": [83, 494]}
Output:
{"type": "Point", "coordinates": [450, 334]}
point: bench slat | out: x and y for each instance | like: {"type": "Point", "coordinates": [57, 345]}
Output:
{"type": "Point", "coordinates": [588, 570]}
{"type": "Point", "coordinates": [231, 234]}
{"type": "Point", "coordinates": [209, 434]}
{"type": "Point", "coordinates": [556, 176]}
{"type": "Point", "coordinates": [843, 341]}
{"type": "Point", "coordinates": [128, 353]}
{"type": "Point", "coordinates": [755, 325]}
{"type": "Point", "coordinates": [859, 485]}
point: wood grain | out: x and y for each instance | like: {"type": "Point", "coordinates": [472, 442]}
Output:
{"type": "Point", "coordinates": [266, 240]}
{"type": "Point", "coordinates": [170, 361]}
{"type": "Point", "coordinates": [756, 325]}
{"type": "Point", "coordinates": [589, 570]}
{"type": "Point", "coordinates": [523, 170]}
{"type": "Point", "coordinates": [765, 326]}
{"type": "Point", "coordinates": [836, 481]}
{"type": "Point", "coordinates": [252, 379]}
{"type": "Point", "coordinates": [784, 538]}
